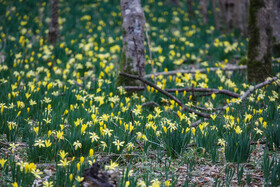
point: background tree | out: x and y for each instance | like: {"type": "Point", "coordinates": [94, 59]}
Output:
{"type": "Point", "coordinates": [53, 33]}
{"type": "Point", "coordinates": [259, 65]}
{"type": "Point", "coordinates": [190, 8]}
{"type": "Point", "coordinates": [276, 26]}
{"type": "Point", "coordinates": [240, 15]}
{"type": "Point", "coordinates": [204, 10]}
{"type": "Point", "coordinates": [133, 52]}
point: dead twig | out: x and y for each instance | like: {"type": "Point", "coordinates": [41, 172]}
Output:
{"type": "Point", "coordinates": [46, 165]}
{"type": "Point", "coordinates": [193, 71]}
{"type": "Point", "coordinates": [212, 90]}
{"type": "Point", "coordinates": [196, 123]}
{"type": "Point", "coordinates": [252, 143]}
{"type": "Point", "coordinates": [204, 95]}
{"type": "Point", "coordinates": [134, 88]}
{"type": "Point", "coordinates": [184, 107]}
{"type": "Point", "coordinates": [150, 104]}
{"type": "Point", "coordinates": [244, 96]}
{"type": "Point", "coordinates": [78, 84]}
{"type": "Point", "coordinates": [209, 90]}
{"type": "Point", "coordinates": [207, 109]}
{"type": "Point", "coordinates": [251, 90]}
{"type": "Point", "coordinates": [258, 142]}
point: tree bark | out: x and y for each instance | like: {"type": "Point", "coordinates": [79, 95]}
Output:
{"type": "Point", "coordinates": [174, 2]}
{"type": "Point", "coordinates": [259, 64]}
{"type": "Point", "coordinates": [133, 52]}
{"type": "Point", "coordinates": [276, 24]}
{"type": "Point", "coordinates": [190, 9]}
{"type": "Point", "coordinates": [240, 19]}
{"type": "Point", "coordinates": [204, 9]}
{"type": "Point", "coordinates": [53, 33]}
{"type": "Point", "coordinates": [216, 17]}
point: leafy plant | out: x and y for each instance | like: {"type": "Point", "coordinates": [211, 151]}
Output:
{"type": "Point", "coordinates": [229, 172]}
{"type": "Point", "coordinates": [237, 147]}
{"type": "Point", "coordinates": [176, 141]}
{"type": "Point", "coordinates": [272, 135]}
{"type": "Point", "coordinates": [240, 170]}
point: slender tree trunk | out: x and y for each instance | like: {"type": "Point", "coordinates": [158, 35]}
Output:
{"type": "Point", "coordinates": [190, 8]}
{"type": "Point", "coordinates": [259, 65]}
{"type": "Point", "coordinates": [276, 20]}
{"type": "Point", "coordinates": [222, 14]}
{"type": "Point", "coordinates": [240, 17]}
{"type": "Point", "coordinates": [229, 8]}
{"type": "Point", "coordinates": [53, 33]}
{"type": "Point", "coordinates": [276, 27]}
{"type": "Point", "coordinates": [174, 2]}
{"type": "Point", "coordinates": [204, 9]}
{"type": "Point", "coordinates": [216, 17]}
{"type": "Point", "coordinates": [133, 52]}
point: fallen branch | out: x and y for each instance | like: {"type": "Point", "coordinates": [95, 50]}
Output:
{"type": "Point", "coordinates": [184, 107]}
{"type": "Point", "coordinates": [203, 70]}
{"type": "Point", "coordinates": [251, 90]}
{"type": "Point", "coordinates": [195, 70]}
{"type": "Point", "coordinates": [206, 109]}
{"type": "Point", "coordinates": [196, 123]}
{"type": "Point", "coordinates": [46, 165]}
{"type": "Point", "coordinates": [244, 96]}
{"type": "Point", "coordinates": [78, 84]}
{"type": "Point", "coordinates": [204, 95]}
{"type": "Point", "coordinates": [134, 88]}
{"type": "Point", "coordinates": [216, 91]}
{"type": "Point", "coordinates": [211, 90]}
{"type": "Point", "coordinates": [150, 104]}
{"type": "Point", "coordinates": [252, 143]}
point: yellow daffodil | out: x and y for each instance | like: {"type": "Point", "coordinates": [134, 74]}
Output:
{"type": "Point", "coordinates": [238, 130]}
{"type": "Point", "coordinates": [39, 143]}
{"type": "Point", "coordinates": [64, 163]}
{"type": "Point", "coordinates": [2, 162]}
{"type": "Point", "coordinates": [112, 166]}
{"type": "Point", "coordinates": [118, 144]}
{"type": "Point", "coordinates": [79, 179]}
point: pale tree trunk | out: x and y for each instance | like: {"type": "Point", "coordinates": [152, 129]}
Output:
{"type": "Point", "coordinates": [259, 65]}
{"type": "Point", "coordinates": [53, 33]}
{"type": "Point", "coordinates": [133, 52]}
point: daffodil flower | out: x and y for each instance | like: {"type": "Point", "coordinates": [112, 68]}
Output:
{"type": "Point", "coordinates": [118, 144]}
